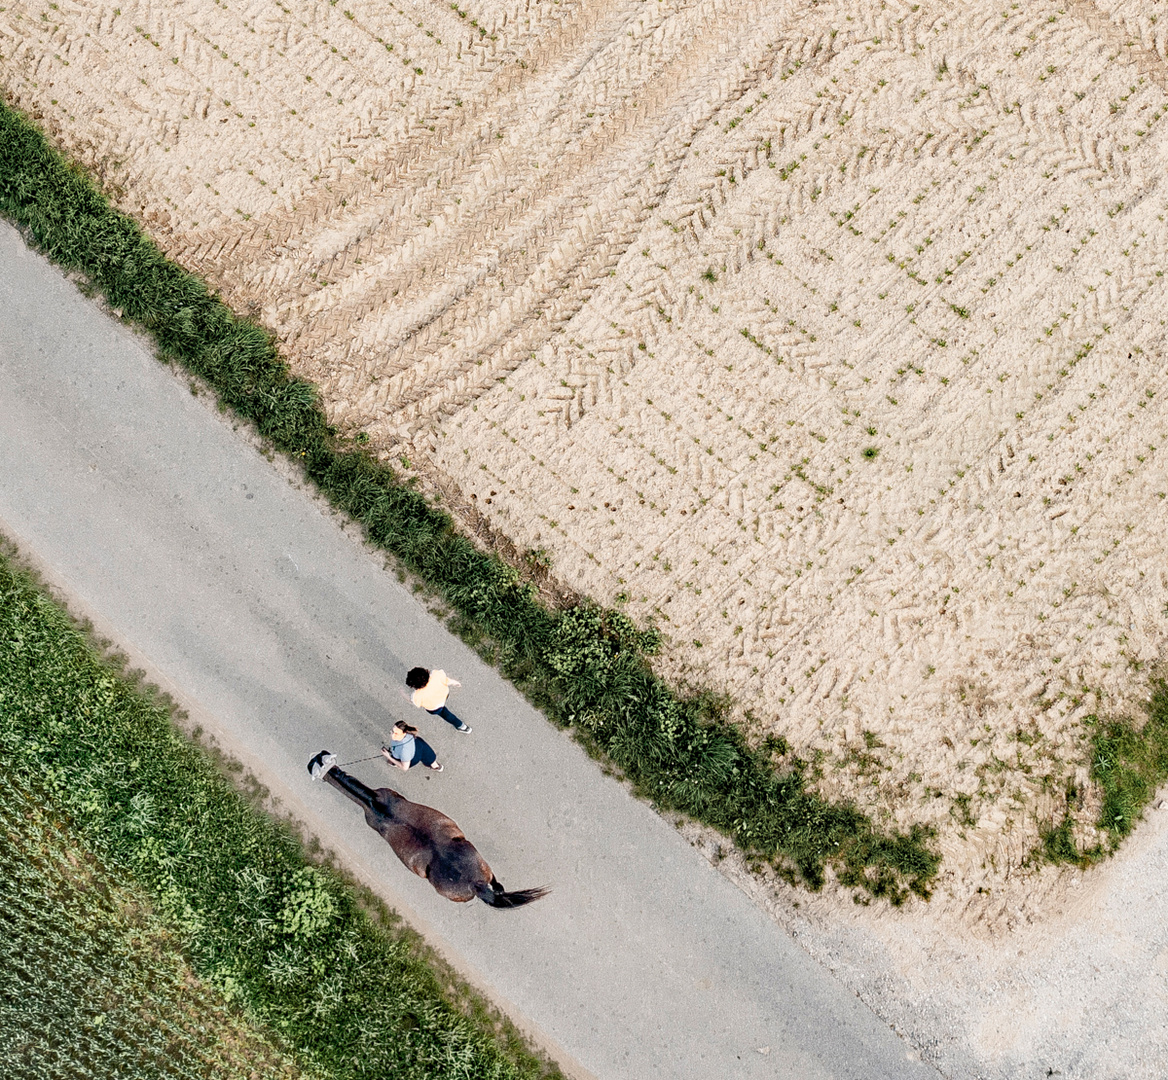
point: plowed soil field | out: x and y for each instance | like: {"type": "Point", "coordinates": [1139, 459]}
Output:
{"type": "Point", "coordinates": [828, 336]}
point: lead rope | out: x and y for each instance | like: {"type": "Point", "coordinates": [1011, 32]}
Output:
{"type": "Point", "coordinates": [376, 757]}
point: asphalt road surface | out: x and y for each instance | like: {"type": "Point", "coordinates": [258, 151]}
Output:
{"type": "Point", "coordinates": [282, 634]}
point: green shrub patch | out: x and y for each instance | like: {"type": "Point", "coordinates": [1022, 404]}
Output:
{"type": "Point", "coordinates": [584, 667]}
{"type": "Point", "coordinates": [1129, 763]}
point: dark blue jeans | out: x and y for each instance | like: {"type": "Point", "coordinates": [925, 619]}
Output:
{"type": "Point", "coordinates": [446, 715]}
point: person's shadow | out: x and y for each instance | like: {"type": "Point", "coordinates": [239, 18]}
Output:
{"type": "Point", "coordinates": [424, 753]}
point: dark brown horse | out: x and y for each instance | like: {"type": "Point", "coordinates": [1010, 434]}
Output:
{"type": "Point", "coordinates": [426, 841]}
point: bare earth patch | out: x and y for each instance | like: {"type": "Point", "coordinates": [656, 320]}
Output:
{"type": "Point", "coordinates": [828, 336]}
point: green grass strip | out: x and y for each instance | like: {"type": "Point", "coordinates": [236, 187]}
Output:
{"type": "Point", "coordinates": [1129, 761]}
{"type": "Point", "coordinates": [283, 938]}
{"type": "Point", "coordinates": [585, 667]}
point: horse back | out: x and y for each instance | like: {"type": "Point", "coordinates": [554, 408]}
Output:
{"type": "Point", "coordinates": [419, 835]}
{"type": "Point", "coordinates": [414, 849]}
{"type": "Point", "coordinates": [430, 844]}
{"type": "Point", "coordinates": [426, 820]}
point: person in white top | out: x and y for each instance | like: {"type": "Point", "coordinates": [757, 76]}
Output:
{"type": "Point", "coordinates": [430, 689]}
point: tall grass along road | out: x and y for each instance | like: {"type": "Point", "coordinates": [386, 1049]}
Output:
{"type": "Point", "coordinates": [92, 982]}
{"type": "Point", "coordinates": [285, 636]}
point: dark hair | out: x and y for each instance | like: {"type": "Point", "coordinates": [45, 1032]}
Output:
{"type": "Point", "coordinates": [417, 678]}
{"type": "Point", "coordinates": [409, 729]}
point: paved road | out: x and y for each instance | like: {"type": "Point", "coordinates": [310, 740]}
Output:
{"type": "Point", "coordinates": [282, 634]}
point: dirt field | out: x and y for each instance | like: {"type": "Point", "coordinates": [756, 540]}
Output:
{"type": "Point", "coordinates": [828, 336]}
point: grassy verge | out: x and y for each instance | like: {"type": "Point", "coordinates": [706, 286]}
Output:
{"type": "Point", "coordinates": [1129, 761]}
{"type": "Point", "coordinates": [585, 667]}
{"type": "Point", "coordinates": [284, 939]}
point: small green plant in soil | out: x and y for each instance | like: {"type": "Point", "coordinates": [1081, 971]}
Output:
{"type": "Point", "coordinates": [1129, 761]}
{"type": "Point", "coordinates": [674, 749]}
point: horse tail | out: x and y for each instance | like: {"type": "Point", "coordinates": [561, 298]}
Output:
{"type": "Point", "coordinates": [494, 895]}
